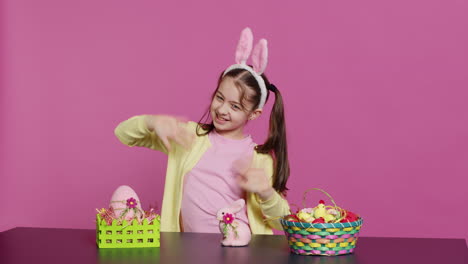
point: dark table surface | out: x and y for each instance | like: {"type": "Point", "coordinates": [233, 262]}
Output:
{"type": "Point", "coordinates": [50, 245]}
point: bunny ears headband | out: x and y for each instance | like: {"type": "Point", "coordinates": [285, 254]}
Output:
{"type": "Point", "coordinates": [259, 60]}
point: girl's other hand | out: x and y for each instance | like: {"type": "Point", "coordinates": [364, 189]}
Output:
{"type": "Point", "coordinates": [170, 128]}
{"type": "Point", "coordinates": [253, 180]}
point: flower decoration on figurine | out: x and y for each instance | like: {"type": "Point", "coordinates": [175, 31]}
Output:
{"type": "Point", "coordinates": [228, 219]}
{"type": "Point", "coordinates": [131, 206]}
{"type": "Point", "coordinates": [131, 203]}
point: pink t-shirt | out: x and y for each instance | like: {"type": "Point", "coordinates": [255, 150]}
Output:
{"type": "Point", "coordinates": [211, 184]}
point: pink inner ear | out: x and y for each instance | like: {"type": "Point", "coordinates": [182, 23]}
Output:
{"type": "Point", "coordinates": [244, 47]}
{"type": "Point", "coordinates": [238, 205]}
{"type": "Point", "coordinates": [260, 56]}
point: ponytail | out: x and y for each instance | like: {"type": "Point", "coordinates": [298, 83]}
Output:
{"type": "Point", "coordinates": [276, 144]}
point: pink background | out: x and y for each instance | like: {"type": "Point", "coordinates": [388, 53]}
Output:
{"type": "Point", "coordinates": [376, 96]}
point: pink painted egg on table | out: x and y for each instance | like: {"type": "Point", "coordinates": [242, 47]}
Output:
{"type": "Point", "coordinates": [124, 199]}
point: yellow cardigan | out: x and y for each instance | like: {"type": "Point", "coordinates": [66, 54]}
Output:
{"type": "Point", "coordinates": [134, 132]}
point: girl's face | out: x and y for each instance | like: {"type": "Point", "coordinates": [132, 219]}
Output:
{"type": "Point", "coordinates": [228, 114]}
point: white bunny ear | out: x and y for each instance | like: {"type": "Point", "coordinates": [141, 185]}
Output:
{"type": "Point", "coordinates": [244, 47]}
{"type": "Point", "coordinates": [260, 56]}
{"type": "Point", "coordinates": [237, 205]}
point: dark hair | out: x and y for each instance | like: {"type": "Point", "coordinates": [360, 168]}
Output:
{"type": "Point", "coordinates": [275, 144]}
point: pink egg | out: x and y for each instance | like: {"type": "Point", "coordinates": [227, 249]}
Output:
{"type": "Point", "coordinates": [124, 198]}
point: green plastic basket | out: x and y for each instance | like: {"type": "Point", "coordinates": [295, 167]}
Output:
{"type": "Point", "coordinates": [127, 235]}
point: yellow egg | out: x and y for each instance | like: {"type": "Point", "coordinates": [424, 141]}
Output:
{"type": "Point", "coordinates": [329, 218]}
{"type": "Point", "coordinates": [305, 217]}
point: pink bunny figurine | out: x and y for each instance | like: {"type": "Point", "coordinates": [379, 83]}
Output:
{"type": "Point", "coordinates": [235, 232]}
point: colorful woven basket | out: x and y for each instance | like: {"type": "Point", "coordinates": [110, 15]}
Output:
{"type": "Point", "coordinates": [127, 235]}
{"type": "Point", "coordinates": [329, 239]}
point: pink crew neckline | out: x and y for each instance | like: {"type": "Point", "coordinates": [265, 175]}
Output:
{"type": "Point", "coordinates": [220, 138]}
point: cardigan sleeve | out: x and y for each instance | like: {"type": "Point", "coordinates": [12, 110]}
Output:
{"type": "Point", "coordinates": [277, 206]}
{"type": "Point", "coordinates": [134, 132]}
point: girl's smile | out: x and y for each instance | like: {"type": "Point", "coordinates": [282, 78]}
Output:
{"type": "Point", "coordinates": [220, 120]}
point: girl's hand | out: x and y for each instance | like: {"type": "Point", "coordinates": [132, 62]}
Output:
{"type": "Point", "coordinates": [169, 128]}
{"type": "Point", "coordinates": [253, 180]}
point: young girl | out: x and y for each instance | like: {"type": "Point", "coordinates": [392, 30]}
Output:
{"type": "Point", "coordinates": [212, 164]}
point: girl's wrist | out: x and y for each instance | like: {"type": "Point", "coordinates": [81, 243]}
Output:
{"type": "Point", "coordinates": [266, 194]}
{"type": "Point", "coordinates": [149, 121]}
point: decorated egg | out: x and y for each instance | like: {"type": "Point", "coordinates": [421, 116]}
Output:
{"type": "Point", "coordinates": [319, 220]}
{"type": "Point", "coordinates": [308, 210]}
{"type": "Point", "coordinates": [305, 217]}
{"type": "Point", "coordinates": [125, 203]}
{"type": "Point", "coordinates": [291, 218]}
{"type": "Point", "coordinates": [329, 218]}
{"type": "Point", "coordinates": [350, 217]}
{"type": "Point", "coordinates": [332, 212]}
